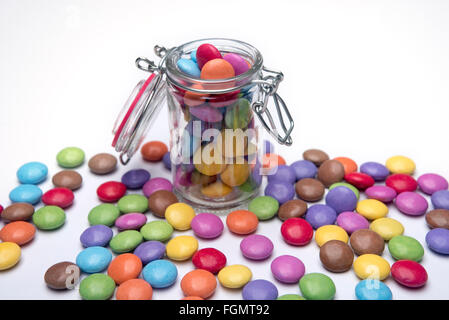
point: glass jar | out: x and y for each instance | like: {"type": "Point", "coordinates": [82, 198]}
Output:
{"type": "Point", "coordinates": [215, 138]}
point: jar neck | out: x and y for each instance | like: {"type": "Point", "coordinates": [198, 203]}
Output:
{"type": "Point", "coordinates": [186, 82]}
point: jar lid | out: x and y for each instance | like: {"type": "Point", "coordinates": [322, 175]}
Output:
{"type": "Point", "coordinates": [137, 114]}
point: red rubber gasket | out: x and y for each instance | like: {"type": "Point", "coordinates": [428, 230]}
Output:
{"type": "Point", "coordinates": [131, 108]}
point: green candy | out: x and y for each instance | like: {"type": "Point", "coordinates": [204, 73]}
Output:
{"type": "Point", "coordinates": [70, 157]}
{"type": "Point", "coordinates": [405, 248]}
{"type": "Point", "coordinates": [347, 185]}
{"type": "Point", "coordinates": [49, 218]}
{"type": "Point", "coordinates": [248, 186]}
{"type": "Point", "coordinates": [317, 286]}
{"type": "Point", "coordinates": [133, 203]}
{"type": "Point", "coordinates": [105, 214]}
{"type": "Point", "coordinates": [157, 230]}
{"type": "Point", "coordinates": [290, 297]}
{"type": "Point", "coordinates": [239, 115]}
{"type": "Point", "coordinates": [126, 241]}
{"type": "Point", "coordinates": [97, 286]}
{"type": "Point", "coordinates": [264, 207]}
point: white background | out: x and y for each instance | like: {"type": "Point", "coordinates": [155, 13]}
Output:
{"type": "Point", "coordinates": [364, 79]}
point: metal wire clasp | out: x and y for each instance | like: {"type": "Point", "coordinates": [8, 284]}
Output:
{"type": "Point", "coordinates": [146, 64]}
{"type": "Point", "coordinates": [268, 86]}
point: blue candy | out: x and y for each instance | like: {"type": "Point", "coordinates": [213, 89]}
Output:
{"type": "Point", "coordinates": [341, 199]}
{"type": "Point", "coordinates": [190, 67]}
{"type": "Point", "coordinates": [94, 236]}
{"type": "Point", "coordinates": [283, 174]}
{"type": "Point", "coordinates": [304, 169]}
{"type": "Point", "coordinates": [193, 55]}
{"type": "Point", "coordinates": [160, 273]}
{"type": "Point", "coordinates": [94, 259]}
{"type": "Point", "coordinates": [167, 161]}
{"type": "Point", "coordinates": [371, 289]}
{"type": "Point", "coordinates": [26, 193]}
{"type": "Point", "coordinates": [32, 173]}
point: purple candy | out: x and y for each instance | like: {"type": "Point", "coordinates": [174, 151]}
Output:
{"type": "Point", "coordinates": [411, 203]}
{"type": "Point", "coordinates": [98, 235]}
{"type": "Point", "coordinates": [156, 184]}
{"type": "Point", "coordinates": [438, 240]}
{"type": "Point", "coordinates": [237, 62]}
{"type": "Point", "coordinates": [283, 174]}
{"type": "Point", "coordinates": [206, 113]}
{"type": "Point", "coordinates": [149, 251]}
{"type": "Point", "coordinates": [207, 225]}
{"type": "Point", "coordinates": [287, 269]}
{"type": "Point", "coordinates": [135, 179]}
{"type": "Point", "coordinates": [430, 183]}
{"type": "Point", "coordinates": [183, 177]}
{"type": "Point", "coordinates": [376, 170]}
{"type": "Point", "coordinates": [268, 147]}
{"type": "Point", "coordinates": [381, 193]}
{"type": "Point", "coordinates": [281, 191]}
{"type": "Point", "coordinates": [260, 290]}
{"type": "Point", "coordinates": [319, 215]}
{"type": "Point", "coordinates": [256, 247]}
{"type": "Point", "coordinates": [304, 169]}
{"type": "Point", "coordinates": [351, 221]}
{"type": "Point", "coordinates": [166, 160]}
{"type": "Point", "coordinates": [440, 199]}
{"type": "Point", "coordinates": [130, 221]}
{"type": "Point", "coordinates": [341, 199]}
{"type": "Point", "coordinates": [256, 175]}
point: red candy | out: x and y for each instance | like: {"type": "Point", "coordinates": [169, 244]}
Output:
{"type": "Point", "coordinates": [359, 180]}
{"type": "Point", "coordinates": [1, 209]}
{"type": "Point", "coordinates": [206, 52]}
{"type": "Point", "coordinates": [209, 259]}
{"type": "Point", "coordinates": [111, 191]}
{"type": "Point", "coordinates": [296, 231]}
{"type": "Point", "coordinates": [61, 197]}
{"type": "Point", "coordinates": [409, 273]}
{"type": "Point", "coordinates": [401, 182]}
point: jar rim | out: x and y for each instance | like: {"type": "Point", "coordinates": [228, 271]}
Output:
{"type": "Point", "coordinates": [177, 77]}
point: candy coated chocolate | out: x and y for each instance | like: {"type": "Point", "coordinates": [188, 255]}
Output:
{"type": "Point", "coordinates": [136, 178]}
{"type": "Point", "coordinates": [341, 199]}
{"type": "Point", "coordinates": [32, 173]}
{"type": "Point", "coordinates": [401, 182]}
{"type": "Point", "coordinates": [287, 269]}
{"type": "Point", "coordinates": [409, 273]}
{"type": "Point", "coordinates": [98, 235]}
{"type": "Point", "coordinates": [209, 259]}
{"type": "Point", "coordinates": [160, 200]}
{"type": "Point", "coordinates": [330, 171]}
{"type": "Point", "coordinates": [372, 289]}
{"type": "Point", "coordinates": [166, 160]}
{"type": "Point", "coordinates": [62, 276]}
{"type": "Point", "coordinates": [281, 191]}
{"type": "Point", "coordinates": [316, 156]}
{"type": "Point", "coordinates": [153, 150]}
{"type": "Point", "coordinates": [440, 199]}
{"type": "Point", "coordinates": [28, 193]}
{"type": "Point", "coordinates": [292, 209]}
{"type": "Point", "coordinates": [67, 179]}
{"type": "Point", "coordinates": [405, 247]}
{"type": "Point", "coordinates": [130, 221]}
{"type": "Point", "coordinates": [189, 67]}
{"type": "Point", "coordinates": [111, 191]}
{"type": "Point", "coordinates": [149, 251]}
{"type": "Point", "coordinates": [19, 211]}
{"type": "Point", "coordinates": [376, 170]}
{"type": "Point", "coordinates": [102, 163]}
{"type": "Point", "coordinates": [207, 225]}
{"type": "Point", "coordinates": [430, 183]}
{"type": "Point", "coordinates": [206, 52]}
{"type": "Point", "coordinates": [438, 240]}
{"type": "Point", "coordinates": [217, 69]}
{"type": "Point", "coordinates": [438, 218]}
{"type": "Point", "coordinates": [411, 203]}
{"type": "Point", "coordinates": [259, 290]}
{"type": "Point", "coordinates": [381, 193]}
{"type": "Point", "coordinates": [283, 173]}
{"type": "Point", "coordinates": [156, 184]}
{"type": "Point", "coordinates": [336, 256]}
{"type": "Point", "coordinates": [296, 231]}
{"type": "Point", "coordinates": [309, 189]}
{"type": "Point", "coordinates": [304, 169]}
{"type": "Point", "coordinates": [365, 241]}
{"type": "Point", "coordinates": [238, 63]}
{"type": "Point", "coordinates": [352, 221]}
{"type": "Point", "coordinates": [256, 247]}
{"type": "Point", "coordinates": [320, 215]}
{"type": "Point", "coordinates": [360, 180]}
{"type": "Point", "coordinates": [206, 113]}
{"type": "Point", "coordinates": [61, 197]}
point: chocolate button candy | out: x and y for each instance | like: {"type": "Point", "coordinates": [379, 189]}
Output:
{"type": "Point", "coordinates": [292, 209]}
{"type": "Point", "coordinates": [67, 179]}
{"type": "Point", "coordinates": [19, 211]}
{"type": "Point", "coordinates": [63, 275]}
{"type": "Point", "coordinates": [330, 171]}
{"type": "Point", "coordinates": [438, 218]}
{"type": "Point", "coordinates": [102, 163]}
{"type": "Point", "coordinates": [160, 200]}
{"type": "Point", "coordinates": [316, 156]}
{"type": "Point", "coordinates": [365, 241]}
{"type": "Point", "coordinates": [336, 256]}
{"type": "Point", "coordinates": [309, 189]}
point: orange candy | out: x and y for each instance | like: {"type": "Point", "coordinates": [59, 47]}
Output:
{"type": "Point", "coordinates": [125, 267]}
{"type": "Point", "coordinates": [194, 99]}
{"type": "Point", "coordinates": [348, 164]}
{"type": "Point", "coordinates": [19, 232]}
{"type": "Point", "coordinates": [192, 298]}
{"type": "Point", "coordinates": [154, 150]}
{"type": "Point", "coordinates": [242, 222]}
{"type": "Point", "coordinates": [199, 282]}
{"type": "Point", "coordinates": [271, 160]}
{"type": "Point", "coordinates": [217, 69]}
{"type": "Point", "coordinates": [134, 289]}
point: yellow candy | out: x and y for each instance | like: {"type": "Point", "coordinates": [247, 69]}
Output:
{"type": "Point", "coordinates": [400, 164]}
{"type": "Point", "coordinates": [372, 209]}
{"type": "Point", "coordinates": [208, 161]}
{"type": "Point", "coordinates": [9, 255]}
{"type": "Point", "coordinates": [371, 266]}
{"type": "Point", "coordinates": [181, 248]}
{"type": "Point", "coordinates": [387, 228]}
{"type": "Point", "coordinates": [234, 276]}
{"type": "Point", "coordinates": [330, 232]}
{"type": "Point", "coordinates": [235, 174]}
{"type": "Point", "coordinates": [216, 190]}
{"type": "Point", "coordinates": [179, 215]}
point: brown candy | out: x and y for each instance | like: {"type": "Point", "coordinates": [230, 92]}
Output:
{"type": "Point", "coordinates": [438, 218]}
{"type": "Point", "coordinates": [102, 163]}
{"type": "Point", "coordinates": [336, 256]}
{"type": "Point", "coordinates": [199, 178]}
{"type": "Point", "coordinates": [292, 209]}
{"type": "Point", "coordinates": [330, 171]}
{"type": "Point", "coordinates": [67, 179]}
{"type": "Point", "coordinates": [309, 189]}
{"type": "Point", "coordinates": [316, 156]}
{"type": "Point", "coordinates": [160, 200]}
{"type": "Point", "coordinates": [365, 241]}
{"type": "Point", "coordinates": [63, 275]}
{"type": "Point", "coordinates": [19, 211]}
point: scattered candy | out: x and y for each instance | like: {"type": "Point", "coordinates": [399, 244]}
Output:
{"type": "Point", "coordinates": [125, 267]}
{"type": "Point", "coordinates": [97, 286]}
{"type": "Point", "coordinates": [320, 215]}
{"type": "Point", "coordinates": [316, 156]}
{"type": "Point", "coordinates": [234, 276]}
{"type": "Point", "coordinates": [348, 164]}
{"type": "Point", "coordinates": [19, 211]}
{"type": "Point", "coordinates": [296, 231]}
{"type": "Point", "coordinates": [409, 273]}
{"type": "Point", "coordinates": [361, 181]}
{"type": "Point", "coordinates": [405, 248]}
{"type": "Point", "coordinates": [411, 203]}
{"type": "Point", "coordinates": [283, 173]}
{"type": "Point", "coordinates": [330, 171]}
{"type": "Point", "coordinates": [387, 228]}
{"type": "Point", "coordinates": [326, 233]}
{"type": "Point", "coordinates": [287, 269]}
{"type": "Point", "coordinates": [160, 200]}
{"type": "Point", "coordinates": [365, 241]}
{"type": "Point", "coordinates": [438, 240]}
{"type": "Point", "coordinates": [149, 251]}
{"type": "Point", "coordinates": [256, 247]}
{"type": "Point", "coordinates": [135, 179]}
{"type": "Point", "coordinates": [400, 164]}
{"type": "Point", "coordinates": [156, 184]}
{"type": "Point", "coordinates": [93, 259]}
{"type": "Point", "coordinates": [105, 214]}
{"type": "Point", "coordinates": [67, 179]}
{"type": "Point", "coordinates": [9, 255]}
{"type": "Point", "coordinates": [134, 289]}
{"type": "Point", "coordinates": [372, 289]}
{"type": "Point", "coordinates": [290, 297]}
{"type": "Point", "coordinates": [153, 150]}
{"type": "Point", "coordinates": [438, 218]}
{"type": "Point", "coordinates": [371, 266]}
{"type": "Point", "coordinates": [347, 185]}
{"type": "Point", "coordinates": [381, 193]}
{"type": "Point", "coordinates": [180, 215]}
{"type": "Point", "coordinates": [317, 286]}
{"type": "Point", "coordinates": [102, 163]}
{"type": "Point", "coordinates": [207, 226]}
{"type": "Point", "coordinates": [199, 282]}
{"type": "Point", "coordinates": [28, 193]}
{"type": "Point", "coordinates": [304, 169]}
{"type": "Point", "coordinates": [309, 189]}
{"type": "Point", "coordinates": [125, 241]}
{"type": "Point", "coordinates": [133, 203]}
{"type": "Point", "coordinates": [351, 221]}
{"type": "Point", "coordinates": [96, 236]}
{"type": "Point", "coordinates": [430, 183]}
{"type": "Point", "coordinates": [62, 276]}
{"type": "Point", "coordinates": [242, 222]}
{"type": "Point", "coordinates": [70, 157]}
{"type": "Point", "coordinates": [281, 191]}
{"type": "Point", "coordinates": [61, 197]}
{"type": "Point", "coordinates": [181, 248]}
{"type": "Point", "coordinates": [440, 199]}
{"type": "Point", "coordinates": [157, 230]}
{"type": "Point", "coordinates": [111, 191]}
{"type": "Point", "coordinates": [341, 199]}
{"type": "Point", "coordinates": [265, 207]}
{"type": "Point", "coordinates": [401, 182]}
{"type": "Point", "coordinates": [336, 256]}
{"type": "Point", "coordinates": [259, 290]}
{"type": "Point", "coordinates": [32, 173]}
{"type": "Point", "coordinates": [49, 218]}
{"type": "Point", "coordinates": [372, 209]}
{"type": "Point", "coordinates": [130, 221]}
{"type": "Point", "coordinates": [375, 170]}
{"type": "Point", "coordinates": [209, 259]}
{"type": "Point", "coordinates": [160, 273]}
{"type": "Point", "coordinates": [19, 232]}
{"type": "Point", "coordinates": [292, 209]}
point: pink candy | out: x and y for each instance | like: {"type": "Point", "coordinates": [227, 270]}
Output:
{"type": "Point", "coordinates": [351, 221]}
{"type": "Point", "coordinates": [287, 269]}
{"type": "Point", "coordinates": [207, 225]}
{"type": "Point", "coordinates": [256, 247]}
{"type": "Point", "coordinates": [156, 184]}
{"type": "Point", "coordinates": [381, 193]}
{"type": "Point", "coordinates": [130, 221]}
{"type": "Point", "coordinates": [430, 183]}
{"type": "Point", "coordinates": [238, 63]}
{"type": "Point", "coordinates": [411, 203]}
